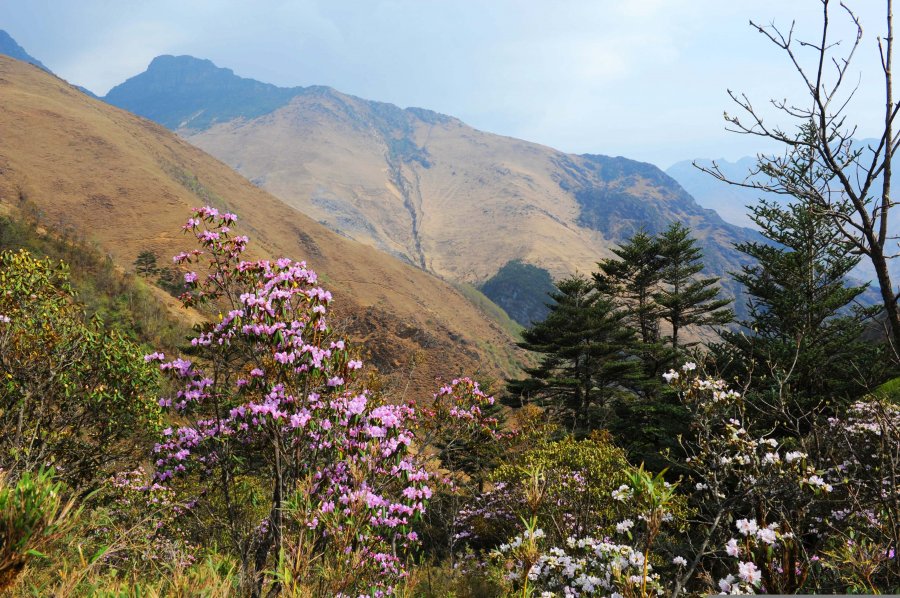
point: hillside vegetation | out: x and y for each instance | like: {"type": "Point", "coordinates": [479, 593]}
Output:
{"type": "Point", "coordinates": [103, 174]}
{"type": "Point", "coordinates": [419, 185]}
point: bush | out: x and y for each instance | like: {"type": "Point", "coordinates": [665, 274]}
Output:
{"type": "Point", "coordinates": [72, 394]}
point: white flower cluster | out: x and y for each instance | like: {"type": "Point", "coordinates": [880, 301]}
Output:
{"type": "Point", "coordinates": [624, 526]}
{"type": "Point", "coordinates": [623, 493]}
{"type": "Point", "coordinates": [816, 481]}
{"type": "Point", "coordinates": [672, 375]}
{"type": "Point", "coordinates": [749, 528]}
{"type": "Point", "coordinates": [592, 567]}
{"type": "Point", "coordinates": [519, 540]}
{"type": "Point", "coordinates": [794, 456]}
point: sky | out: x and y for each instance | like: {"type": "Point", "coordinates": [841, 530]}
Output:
{"type": "Point", "coordinates": [645, 79]}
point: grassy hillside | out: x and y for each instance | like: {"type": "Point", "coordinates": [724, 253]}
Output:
{"type": "Point", "coordinates": [127, 185]}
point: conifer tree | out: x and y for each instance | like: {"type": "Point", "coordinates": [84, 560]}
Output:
{"type": "Point", "coordinates": [634, 279]}
{"type": "Point", "coordinates": [804, 334]}
{"type": "Point", "coordinates": [684, 299]}
{"type": "Point", "coordinates": [586, 357]}
{"type": "Point", "coordinates": [653, 420]}
{"type": "Point", "coordinates": [145, 264]}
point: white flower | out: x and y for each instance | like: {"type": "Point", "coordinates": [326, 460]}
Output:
{"type": "Point", "coordinates": [747, 527]}
{"type": "Point", "coordinates": [732, 547]}
{"type": "Point", "coordinates": [818, 482]}
{"type": "Point", "coordinates": [624, 526]}
{"type": "Point", "coordinates": [700, 486]}
{"type": "Point", "coordinates": [536, 534]}
{"type": "Point", "coordinates": [726, 583]}
{"type": "Point", "coordinates": [767, 535]}
{"type": "Point", "coordinates": [689, 367]}
{"type": "Point", "coordinates": [749, 573]}
{"type": "Point", "coordinates": [794, 456]}
{"type": "Point", "coordinates": [670, 376]}
{"type": "Point", "coordinates": [623, 493]}
{"type": "Point", "coordinates": [680, 561]}
{"type": "Point", "coordinates": [4, 319]}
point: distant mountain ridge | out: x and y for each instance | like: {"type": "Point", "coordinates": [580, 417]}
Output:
{"type": "Point", "coordinates": [201, 96]}
{"type": "Point", "coordinates": [733, 201]}
{"type": "Point", "coordinates": [9, 47]}
{"type": "Point", "coordinates": [729, 201]}
{"type": "Point", "coordinates": [423, 186]}
{"type": "Point", "coordinates": [128, 184]}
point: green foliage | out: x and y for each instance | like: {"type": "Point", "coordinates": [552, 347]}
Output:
{"type": "Point", "coordinates": [72, 393]}
{"type": "Point", "coordinates": [171, 280]}
{"type": "Point", "coordinates": [686, 300]}
{"type": "Point", "coordinates": [634, 280]}
{"type": "Point", "coordinates": [121, 301]}
{"type": "Point", "coordinates": [522, 290]}
{"type": "Point", "coordinates": [145, 264]}
{"type": "Point", "coordinates": [574, 483]}
{"type": "Point", "coordinates": [803, 341]}
{"type": "Point", "coordinates": [586, 362]}
{"type": "Point", "coordinates": [33, 514]}
{"type": "Point", "coordinates": [890, 390]}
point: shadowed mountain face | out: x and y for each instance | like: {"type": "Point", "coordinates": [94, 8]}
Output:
{"type": "Point", "coordinates": [418, 185]}
{"type": "Point", "coordinates": [181, 91]}
{"type": "Point", "coordinates": [9, 47]}
{"type": "Point", "coordinates": [128, 184]}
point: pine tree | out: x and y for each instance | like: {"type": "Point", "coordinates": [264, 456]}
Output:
{"type": "Point", "coordinates": [145, 264]}
{"type": "Point", "coordinates": [653, 420]}
{"type": "Point", "coordinates": [634, 279]}
{"type": "Point", "coordinates": [685, 299]}
{"type": "Point", "coordinates": [586, 362]}
{"type": "Point", "coordinates": [803, 333]}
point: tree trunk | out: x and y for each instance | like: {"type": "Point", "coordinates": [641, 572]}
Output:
{"type": "Point", "coordinates": [889, 299]}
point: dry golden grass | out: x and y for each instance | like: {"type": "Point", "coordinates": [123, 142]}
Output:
{"type": "Point", "coordinates": [128, 184]}
{"type": "Point", "coordinates": [480, 201]}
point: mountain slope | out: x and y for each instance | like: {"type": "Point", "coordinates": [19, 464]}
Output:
{"type": "Point", "coordinates": [128, 184]}
{"type": "Point", "coordinates": [422, 186]}
{"type": "Point", "coordinates": [732, 201]}
{"type": "Point", "coordinates": [729, 201]}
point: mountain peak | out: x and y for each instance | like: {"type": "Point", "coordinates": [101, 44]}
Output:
{"type": "Point", "coordinates": [184, 92]}
{"type": "Point", "coordinates": [11, 48]}
{"type": "Point", "coordinates": [168, 62]}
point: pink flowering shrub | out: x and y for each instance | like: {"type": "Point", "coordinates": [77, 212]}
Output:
{"type": "Point", "coordinates": [861, 519]}
{"type": "Point", "coordinates": [278, 442]}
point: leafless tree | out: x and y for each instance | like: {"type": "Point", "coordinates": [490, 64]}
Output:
{"type": "Point", "coordinates": [841, 177]}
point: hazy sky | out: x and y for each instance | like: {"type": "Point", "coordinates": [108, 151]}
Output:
{"type": "Point", "coordinates": [646, 79]}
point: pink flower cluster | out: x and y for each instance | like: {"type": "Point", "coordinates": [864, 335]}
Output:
{"type": "Point", "coordinates": [267, 379]}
